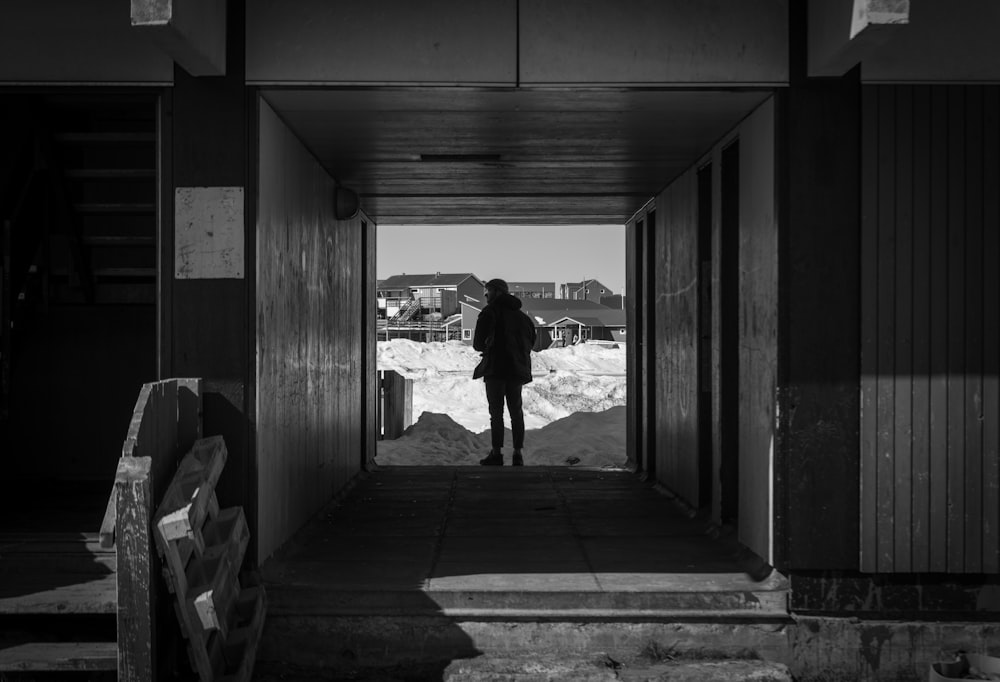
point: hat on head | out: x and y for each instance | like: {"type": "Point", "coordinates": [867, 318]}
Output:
{"type": "Point", "coordinates": [499, 285]}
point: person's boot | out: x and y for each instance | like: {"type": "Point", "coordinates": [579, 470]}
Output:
{"type": "Point", "coordinates": [495, 458]}
{"type": "Point", "coordinates": [518, 460]}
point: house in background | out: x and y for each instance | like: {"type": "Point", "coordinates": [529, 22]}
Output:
{"type": "Point", "coordinates": [589, 325]}
{"type": "Point", "coordinates": [613, 301]}
{"type": "Point", "coordinates": [588, 289]}
{"type": "Point", "coordinates": [437, 294]}
{"type": "Point", "coordinates": [546, 312]}
{"type": "Point", "coordinates": [532, 289]}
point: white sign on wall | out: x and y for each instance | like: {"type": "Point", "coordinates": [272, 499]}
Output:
{"type": "Point", "coordinates": [208, 233]}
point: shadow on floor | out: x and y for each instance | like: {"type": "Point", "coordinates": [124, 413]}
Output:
{"type": "Point", "coordinates": [413, 555]}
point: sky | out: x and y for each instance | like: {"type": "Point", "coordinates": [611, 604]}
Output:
{"type": "Point", "coordinates": [519, 253]}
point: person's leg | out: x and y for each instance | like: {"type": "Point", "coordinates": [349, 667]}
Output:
{"type": "Point", "coordinates": [515, 408]}
{"type": "Point", "coordinates": [495, 398]}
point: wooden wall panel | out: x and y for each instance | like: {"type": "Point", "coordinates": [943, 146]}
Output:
{"type": "Point", "coordinates": [991, 327]}
{"type": "Point", "coordinates": [929, 329]}
{"type": "Point", "coordinates": [311, 340]}
{"type": "Point", "coordinates": [818, 413]}
{"type": "Point", "coordinates": [677, 338]}
{"type": "Point", "coordinates": [369, 356]}
{"type": "Point", "coordinates": [758, 361]}
{"type": "Point", "coordinates": [674, 369]}
{"type": "Point", "coordinates": [632, 432]}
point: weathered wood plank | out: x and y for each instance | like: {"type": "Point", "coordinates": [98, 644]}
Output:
{"type": "Point", "coordinates": [309, 366]}
{"type": "Point", "coordinates": [956, 328]}
{"type": "Point", "coordinates": [135, 576]}
{"type": "Point", "coordinates": [869, 332]}
{"type": "Point", "coordinates": [991, 331]}
{"type": "Point", "coordinates": [190, 497]}
{"type": "Point", "coordinates": [974, 313]}
{"type": "Point", "coordinates": [921, 329]}
{"type": "Point", "coordinates": [371, 354]}
{"type": "Point", "coordinates": [58, 656]}
{"type": "Point", "coordinates": [632, 267]}
{"type": "Point", "coordinates": [758, 362]}
{"type": "Point", "coordinates": [886, 328]}
{"type": "Point", "coordinates": [902, 522]}
{"type": "Point", "coordinates": [938, 423]}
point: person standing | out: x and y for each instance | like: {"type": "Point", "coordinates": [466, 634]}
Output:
{"type": "Point", "coordinates": [505, 336]}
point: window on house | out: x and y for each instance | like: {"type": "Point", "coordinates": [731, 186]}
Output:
{"type": "Point", "coordinates": [602, 291]}
{"type": "Point", "coordinates": [588, 291]}
{"type": "Point", "coordinates": [467, 334]}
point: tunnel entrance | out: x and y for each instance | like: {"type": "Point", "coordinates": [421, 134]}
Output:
{"type": "Point", "coordinates": [429, 296]}
{"type": "Point", "coordinates": [523, 157]}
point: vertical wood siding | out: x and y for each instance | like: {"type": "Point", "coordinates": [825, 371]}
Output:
{"type": "Point", "coordinates": [311, 338]}
{"type": "Point", "coordinates": [930, 304]}
{"type": "Point", "coordinates": [676, 363]}
{"type": "Point", "coordinates": [758, 354]}
{"type": "Point", "coordinates": [632, 435]}
{"type": "Point", "coordinates": [672, 432]}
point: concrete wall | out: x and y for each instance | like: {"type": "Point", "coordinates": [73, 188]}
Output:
{"type": "Point", "coordinates": [312, 338]}
{"type": "Point", "coordinates": [510, 43]}
{"type": "Point", "coordinates": [65, 41]}
{"type": "Point", "coordinates": [817, 467]}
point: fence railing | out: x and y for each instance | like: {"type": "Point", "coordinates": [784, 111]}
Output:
{"type": "Point", "coordinates": [395, 404]}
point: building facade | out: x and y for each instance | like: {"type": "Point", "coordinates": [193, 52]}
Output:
{"type": "Point", "coordinates": [810, 194]}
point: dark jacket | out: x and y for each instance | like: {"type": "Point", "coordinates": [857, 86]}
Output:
{"type": "Point", "coordinates": [505, 337]}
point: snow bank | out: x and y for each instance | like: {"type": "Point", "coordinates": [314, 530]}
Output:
{"type": "Point", "coordinates": [574, 407]}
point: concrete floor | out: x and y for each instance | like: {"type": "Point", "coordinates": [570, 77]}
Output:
{"type": "Point", "coordinates": [522, 543]}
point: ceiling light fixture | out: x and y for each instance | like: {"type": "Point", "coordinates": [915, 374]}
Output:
{"type": "Point", "coordinates": [460, 158]}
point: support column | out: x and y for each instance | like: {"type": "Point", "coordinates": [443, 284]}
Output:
{"type": "Point", "coordinates": [208, 257]}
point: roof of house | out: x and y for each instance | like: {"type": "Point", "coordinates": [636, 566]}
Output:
{"type": "Point", "coordinates": [546, 311]}
{"type": "Point", "coordinates": [609, 317]}
{"type": "Point", "coordinates": [576, 286]}
{"type": "Point", "coordinates": [439, 279]}
{"type": "Point", "coordinates": [565, 304]}
{"type": "Point", "coordinates": [532, 286]}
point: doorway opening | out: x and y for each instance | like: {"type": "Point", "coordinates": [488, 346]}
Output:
{"type": "Point", "coordinates": [78, 312]}
{"type": "Point", "coordinates": [568, 280]}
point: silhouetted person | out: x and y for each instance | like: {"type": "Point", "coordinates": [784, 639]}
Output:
{"type": "Point", "coordinates": [505, 337]}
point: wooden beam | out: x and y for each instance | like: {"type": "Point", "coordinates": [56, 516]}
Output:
{"type": "Point", "coordinates": [136, 588]}
{"type": "Point", "coordinates": [192, 32]}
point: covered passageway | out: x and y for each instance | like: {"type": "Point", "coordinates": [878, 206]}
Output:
{"type": "Point", "coordinates": [807, 190]}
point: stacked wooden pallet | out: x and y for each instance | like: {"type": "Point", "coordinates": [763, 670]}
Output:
{"type": "Point", "coordinates": [202, 549]}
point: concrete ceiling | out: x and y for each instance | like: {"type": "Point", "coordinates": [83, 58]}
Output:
{"type": "Point", "coordinates": [508, 156]}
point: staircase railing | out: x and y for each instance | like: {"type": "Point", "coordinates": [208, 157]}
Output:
{"type": "Point", "coordinates": [406, 311]}
{"type": "Point", "coordinates": [165, 424]}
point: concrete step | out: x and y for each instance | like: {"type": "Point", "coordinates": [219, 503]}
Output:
{"type": "Point", "coordinates": [536, 668]}
{"type": "Point", "coordinates": [365, 642]}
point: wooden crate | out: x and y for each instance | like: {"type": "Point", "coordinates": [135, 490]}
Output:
{"type": "Point", "coordinates": [202, 548]}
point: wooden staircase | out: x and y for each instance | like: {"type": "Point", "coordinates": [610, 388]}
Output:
{"type": "Point", "coordinates": [78, 212]}
{"type": "Point", "coordinates": [102, 162]}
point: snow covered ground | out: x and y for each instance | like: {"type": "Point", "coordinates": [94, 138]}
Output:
{"type": "Point", "coordinates": [574, 408]}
